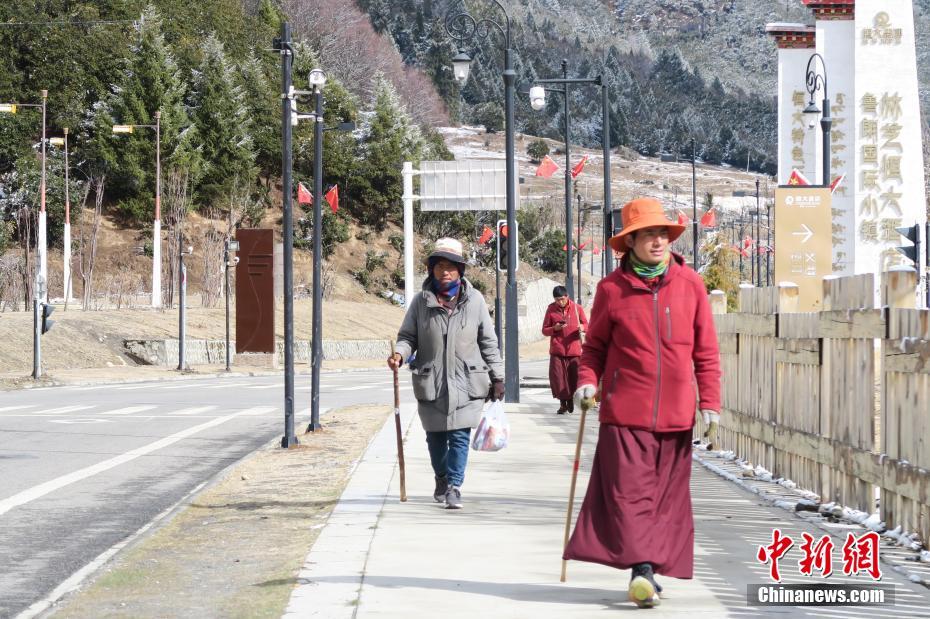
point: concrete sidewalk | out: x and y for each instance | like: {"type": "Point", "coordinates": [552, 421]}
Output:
{"type": "Point", "coordinates": [498, 557]}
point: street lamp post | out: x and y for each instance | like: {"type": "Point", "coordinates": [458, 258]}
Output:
{"type": "Point", "coordinates": [182, 306]}
{"type": "Point", "coordinates": [317, 80]}
{"type": "Point", "coordinates": [156, 225]}
{"type": "Point", "coordinates": [462, 27]}
{"type": "Point", "coordinates": [66, 257]}
{"type": "Point", "coordinates": [694, 218]}
{"type": "Point", "coordinates": [758, 256]}
{"type": "Point", "coordinates": [231, 246]}
{"type": "Point", "coordinates": [578, 253]}
{"type": "Point", "coordinates": [282, 46]}
{"type": "Point", "coordinates": [12, 108]}
{"type": "Point", "coordinates": [814, 82]}
{"type": "Point", "coordinates": [538, 102]}
{"type": "Point", "coordinates": [43, 219]}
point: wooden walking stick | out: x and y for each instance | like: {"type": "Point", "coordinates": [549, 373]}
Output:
{"type": "Point", "coordinates": [584, 404]}
{"type": "Point", "coordinates": [400, 435]}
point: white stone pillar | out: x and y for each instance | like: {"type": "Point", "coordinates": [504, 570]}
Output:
{"type": "Point", "coordinates": [409, 289]}
{"type": "Point", "coordinates": [889, 185]}
{"type": "Point", "coordinates": [836, 43]}
{"type": "Point", "coordinates": [796, 143]}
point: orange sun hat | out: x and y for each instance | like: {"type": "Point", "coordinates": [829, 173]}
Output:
{"type": "Point", "coordinates": [643, 213]}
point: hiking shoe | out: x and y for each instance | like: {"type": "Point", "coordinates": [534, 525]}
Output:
{"type": "Point", "coordinates": [643, 593]}
{"type": "Point", "coordinates": [645, 570]}
{"type": "Point", "coordinates": [453, 498]}
{"type": "Point", "coordinates": [442, 484]}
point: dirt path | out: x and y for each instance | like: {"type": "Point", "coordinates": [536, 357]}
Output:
{"type": "Point", "coordinates": [236, 549]}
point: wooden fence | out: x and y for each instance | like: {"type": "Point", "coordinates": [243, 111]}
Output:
{"type": "Point", "coordinates": [837, 400]}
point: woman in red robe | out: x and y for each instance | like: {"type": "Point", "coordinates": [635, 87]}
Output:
{"type": "Point", "coordinates": [651, 342]}
{"type": "Point", "coordinates": [564, 324]}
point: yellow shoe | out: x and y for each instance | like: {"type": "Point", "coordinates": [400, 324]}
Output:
{"type": "Point", "coordinates": [643, 593]}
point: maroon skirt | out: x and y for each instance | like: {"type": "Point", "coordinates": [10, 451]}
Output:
{"type": "Point", "coordinates": [638, 505]}
{"type": "Point", "coordinates": [563, 376]}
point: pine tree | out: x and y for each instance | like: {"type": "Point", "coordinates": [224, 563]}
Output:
{"type": "Point", "coordinates": [264, 111]}
{"type": "Point", "coordinates": [391, 139]}
{"type": "Point", "coordinates": [224, 127]}
{"type": "Point", "coordinates": [150, 81]}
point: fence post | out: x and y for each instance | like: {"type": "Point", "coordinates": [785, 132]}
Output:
{"type": "Point", "coordinates": [898, 288]}
{"type": "Point", "coordinates": [718, 302]}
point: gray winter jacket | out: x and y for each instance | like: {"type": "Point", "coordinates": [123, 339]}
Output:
{"type": "Point", "coordinates": [451, 375]}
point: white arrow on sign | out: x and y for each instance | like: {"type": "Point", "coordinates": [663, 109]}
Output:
{"type": "Point", "coordinates": [807, 233]}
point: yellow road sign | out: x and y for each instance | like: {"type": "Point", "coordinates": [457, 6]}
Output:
{"type": "Point", "coordinates": [804, 241]}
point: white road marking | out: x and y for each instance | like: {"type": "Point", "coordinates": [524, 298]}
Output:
{"type": "Point", "coordinates": [258, 410]}
{"type": "Point", "coordinates": [275, 386]}
{"type": "Point", "coordinates": [353, 388]}
{"type": "Point", "coordinates": [70, 421]}
{"type": "Point", "coordinates": [194, 410]}
{"type": "Point", "coordinates": [16, 408]}
{"type": "Point", "coordinates": [222, 385]}
{"type": "Point", "coordinates": [64, 409]}
{"type": "Point", "coordinates": [129, 410]}
{"type": "Point", "coordinates": [36, 492]}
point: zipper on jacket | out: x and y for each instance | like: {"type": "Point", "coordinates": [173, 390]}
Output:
{"type": "Point", "coordinates": [655, 408]}
{"type": "Point", "coordinates": [668, 321]}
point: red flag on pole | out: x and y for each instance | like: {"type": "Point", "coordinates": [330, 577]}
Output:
{"type": "Point", "coordinates": [332, 197]}
{"type": "Point", "coordinates": [579, 166]}
{"type": "Point", "coordinates": [597, 250]}
{"type": "Point", "coordinates": [709, 219]}
{"type": "Point", "coordinates": [797, 178]}
{"type": "Point", "coordinates": [682, 219]}
{"type": "Point", "coordinates": [565, 248]}
{"type": "Point", "coordinates": [547, 168]}
{"type": "Point", "coordinates": [582, 246]}
{"type": "Point", "coordinates": [303, 196]}
{"type": "Point", "coordinates": [836, 182]}
{"type": "Point", "coordinates": [486, 236]}
{"type": "Point", "coordinates": [747, 242]}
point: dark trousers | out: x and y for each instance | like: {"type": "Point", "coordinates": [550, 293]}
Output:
{"type": "Point", "coordinates": [448, 453]}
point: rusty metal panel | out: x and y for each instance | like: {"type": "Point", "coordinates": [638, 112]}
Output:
{"type": "Point", "coordinates": [255, 291]}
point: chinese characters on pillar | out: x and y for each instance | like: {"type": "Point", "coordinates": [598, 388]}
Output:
{"type": "Point", "coordinates": [880, 176]}
{"type": "Point", "coordinates": [797, 130]}
{"type": "Point", "coordinates": [838, 145]}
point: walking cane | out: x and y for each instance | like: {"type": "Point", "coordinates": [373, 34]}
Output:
{"type": "Point", "coordinates": [571, 492]}
{"type": "Point", "coordinates": [400, 436]}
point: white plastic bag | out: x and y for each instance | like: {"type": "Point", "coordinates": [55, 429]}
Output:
{"type": "Point", "coordinates": [493, 431]}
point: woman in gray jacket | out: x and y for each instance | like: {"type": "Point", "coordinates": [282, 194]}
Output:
{"type": "Point", "coordinates": [457, 367]}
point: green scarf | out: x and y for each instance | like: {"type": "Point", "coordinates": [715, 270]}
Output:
{"type": "Point", "coordinates": [649, 271]}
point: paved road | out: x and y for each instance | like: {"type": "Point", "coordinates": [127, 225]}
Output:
{"type": "Point", "coordinates": [83, 468]}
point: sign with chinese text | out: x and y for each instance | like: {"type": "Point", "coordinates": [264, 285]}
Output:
{"type": "Point", "coordinates": [803, 233]}
{"type": "Point", "coordinates": [889, 171]}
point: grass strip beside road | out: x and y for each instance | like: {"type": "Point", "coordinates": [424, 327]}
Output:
{"type": "Point", "coordinates": [236, 549]}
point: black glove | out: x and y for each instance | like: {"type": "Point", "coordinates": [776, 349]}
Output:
{"type": "Point", "coordinates": [496, 392]}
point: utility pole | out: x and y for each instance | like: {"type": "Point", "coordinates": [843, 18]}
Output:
{"type": "Point", "coordinates": [182, 317]}
{"type": "Point", "coordinates": [569, 280]}
{"type": "Point", "coordinates": [578, 253]}
{"type": "Point", "coordinates": [694, 217]}
{"type": "Point", "coordinates": [283, 46]}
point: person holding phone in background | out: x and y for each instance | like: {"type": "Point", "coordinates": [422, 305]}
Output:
{"type": "Point", "coordinates": [564, 324]}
